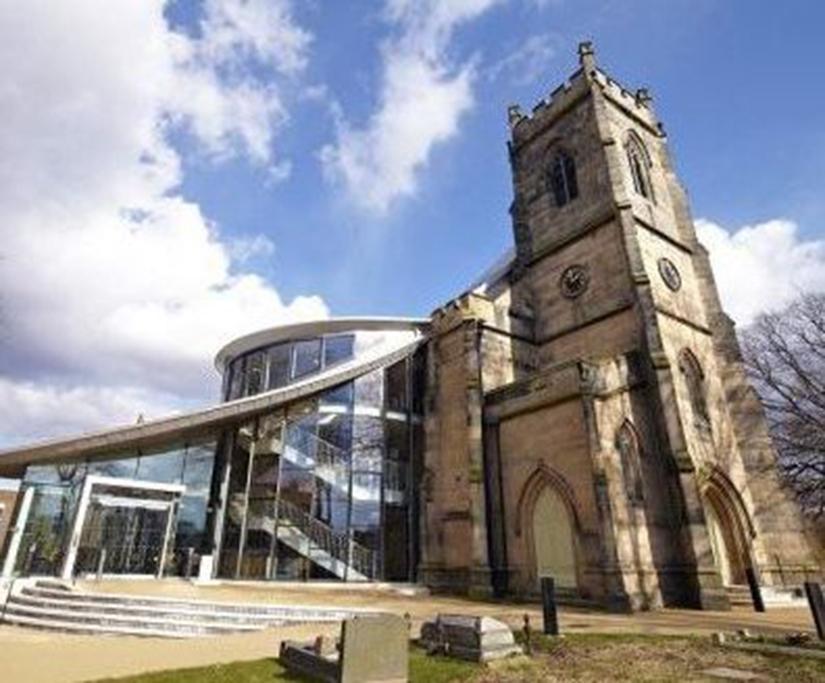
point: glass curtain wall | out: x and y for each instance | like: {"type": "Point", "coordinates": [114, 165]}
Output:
{"type": "Point", "coordinates": [57, 491]}
{"type": "Point", "coordinates": [323, 491]}
{"type": "Point", "coordinates": [279, 364]}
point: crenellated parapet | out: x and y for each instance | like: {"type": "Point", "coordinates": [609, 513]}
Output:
{"type": "Point", "coordinates": [468, 306]}
{"type": "Point", "coordinates": [637, 103]}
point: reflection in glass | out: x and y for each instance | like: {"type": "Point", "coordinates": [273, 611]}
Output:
{"type": "Point", "coordinates": [369, 390]}
{"type": "Point", "coordinates": [342, 395]}
{"type": "Point", "coordinates": [396, 387]}
{"type": "Point", "coordinates": [338, 348]}
{"type": "Point", "coordinates": [163, 467]}
{"type": "Point", "coordinates": [280, 356]}
{"type": "Point", "coordinates": [307, 357]}
{"type": "Point", "coordinates": [236, 380]}
{"type": "Point", "coordinates": [255, 370]}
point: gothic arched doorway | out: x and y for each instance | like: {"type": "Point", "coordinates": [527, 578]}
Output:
{"type": "Point", "coordinates": [728, 528]}
{"type": "Point", "coordinates": [553, 539]}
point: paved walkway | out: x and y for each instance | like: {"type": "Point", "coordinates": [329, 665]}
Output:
{"type": "Point", "coordinates": [29, 656]}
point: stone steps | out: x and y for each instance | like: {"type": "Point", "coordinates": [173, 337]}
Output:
{"type": "Point", "coordinates": [184, 614]}
{"type": "Point", "coordinates": [118, 600]}
{"type": "Point", "coordinates": [772, 596]}
{"type": "Point", "coordinates": [133, 624]}
{"type": "Point", "coordinates": [54, 606]}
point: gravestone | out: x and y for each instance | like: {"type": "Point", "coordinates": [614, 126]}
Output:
{"type": "Point", "coordinates": [477, 639]}
{"type": "Point", "coordinates": [373, 649]}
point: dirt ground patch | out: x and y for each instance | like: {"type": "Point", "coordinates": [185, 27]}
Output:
{"type": "Point", "coordinates": [646, 658]}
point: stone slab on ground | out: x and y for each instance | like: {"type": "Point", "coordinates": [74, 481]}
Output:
{"type": "Point", "coordinates": [373, 649]}
{"type": "Point", "coordinates": [476, 639]}
{"type": "Point", "coordinates": [729, 674]}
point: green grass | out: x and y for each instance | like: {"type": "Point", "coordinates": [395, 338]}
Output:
{"type": "Point", "coordinates": [581, 657]}
{"type": "Point", "coordinates": [423, 669]}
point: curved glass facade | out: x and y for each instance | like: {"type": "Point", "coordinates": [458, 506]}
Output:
{"type": "Point", "coordinates": [291, 360]}
{"type": "Point", "coordinates": [323, 488]}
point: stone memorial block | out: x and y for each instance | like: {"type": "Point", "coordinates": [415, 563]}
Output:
{"type": "Point", "coordinates": [477, 639]}
{"type": "Point", "coordinates": [373, 649]}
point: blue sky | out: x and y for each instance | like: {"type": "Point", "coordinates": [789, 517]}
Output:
{"type": "Point", "coordinates": [739, 90]}
{"type": "Point", "coordinates": [176, 173]}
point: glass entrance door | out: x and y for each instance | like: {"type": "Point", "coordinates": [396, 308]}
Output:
{"type": "Point", "coordinates": [126, 536]}
{"type": "Point", "coordinates": [123, 526]}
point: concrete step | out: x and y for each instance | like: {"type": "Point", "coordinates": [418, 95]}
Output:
{"type": "Point", "coordinates": [134, 623]}
{"type": "Point", "coordinates": [88, 629]}
{"type": "Point", "coordinates": [279, 612]}
{"type": "Point", "coordinates": [772, 596]}
{"type": "Point", "coordinates": [54, 605]}
{"type": "Point", "coordinates": [178, 613]}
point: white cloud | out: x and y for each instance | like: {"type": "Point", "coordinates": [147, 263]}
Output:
{"type": "Point", "coordinates": [115, 291]}
{"type": "Point", "coordinates": [762, 267]}
{"type": "Point", "coordinates": [529, 62]}
{"type": "Point", "coordinates": [423, 97]}
{"type": "Point", "coordinates": [213, 89]}
{"type": "Point", "coordinates": [30, 405]}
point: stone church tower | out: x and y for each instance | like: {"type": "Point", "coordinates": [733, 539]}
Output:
{"type": "Point", "coordinates": [588, 416]}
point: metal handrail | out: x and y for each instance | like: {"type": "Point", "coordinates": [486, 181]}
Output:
{"type": "Point", "coordinates": [315, 448]}
{"type": "Point", "coordinates": [338, 545]}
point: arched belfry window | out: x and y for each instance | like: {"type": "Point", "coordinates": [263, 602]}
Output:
{"type": "Point", "coordinates": [562, 177]}
{"type": "Point", "coordinates": [627, 443]}
{"type": "Point", "coordinates": [695, 381]}
{"type": "Point", "coordinates": [639, 161]}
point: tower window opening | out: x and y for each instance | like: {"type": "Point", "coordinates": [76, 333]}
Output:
{"type": "Point", "coordinates": [695, 381]}
{"type": "Point", "coordinates": [627, 443]}
{"type": "Point", "coordinates": [639, 163]}
{"type": "Point", "coordinates": [563, 179]}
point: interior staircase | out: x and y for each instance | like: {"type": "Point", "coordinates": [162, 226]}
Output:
{"type": "Point", "coordinates": [332, 465]}
{"type": "Point", "coordinates": [55, 605]}
{"type": "Point", "coordinates": [307, 535]}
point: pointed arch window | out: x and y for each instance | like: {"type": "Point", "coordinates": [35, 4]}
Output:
{"type": "Point", "coordinates": [627, 443]}
{"type": "Point", "coordinates": [563, 178]}
{"type": "Point", "coordinates": [639, 161]}
{"type": "Point", "coordinates": [695, 381]}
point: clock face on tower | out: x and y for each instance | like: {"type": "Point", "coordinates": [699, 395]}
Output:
{"type": "Point", "coordinates": [670, 274]}
{"type": "Point", "coordinates": [574, 281]}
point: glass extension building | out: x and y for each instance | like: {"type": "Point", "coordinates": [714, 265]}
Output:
{"type": "Point", "coordinates": [306, 470]}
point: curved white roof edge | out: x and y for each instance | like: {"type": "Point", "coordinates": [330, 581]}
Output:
{"type": "Point", "coordinates": [196, 423]}
{"type": "Point", "coordinates": [312, 328]}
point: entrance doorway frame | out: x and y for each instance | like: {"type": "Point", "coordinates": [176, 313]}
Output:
{"type": "Point", "coordinates": [724, 501]}
{"type": "Point", "coordinates": [92, 480]}
{"type": "Point", "coordinates": [543, 477]}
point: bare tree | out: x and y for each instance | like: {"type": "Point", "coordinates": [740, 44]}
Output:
{"type": "Point", "coordinates": [785, 355]}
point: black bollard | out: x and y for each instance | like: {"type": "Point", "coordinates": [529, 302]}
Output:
{"type": "Point", "coordinates": [548, 600]}
{"type": "Point", "coordinates": [756, 592]}
{"type": "Point", "coordinates": [817, 604]}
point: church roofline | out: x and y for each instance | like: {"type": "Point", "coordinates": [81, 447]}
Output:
{"type": "Point", "coordinates": [577, 86]}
